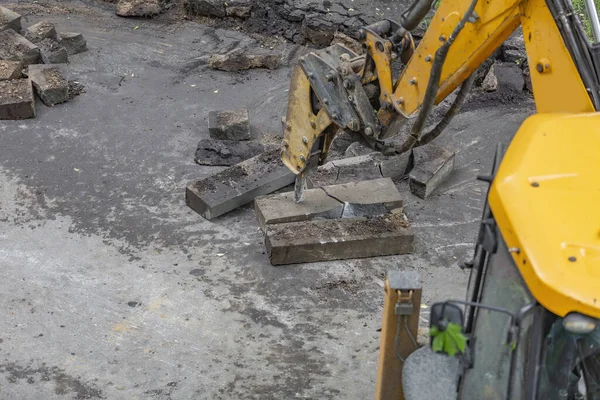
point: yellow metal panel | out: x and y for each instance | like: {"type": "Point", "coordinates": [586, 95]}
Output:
{"type": "Point", "coordinates": [557, 86]}
{"type": "Point", "coordinates": [546, 200]}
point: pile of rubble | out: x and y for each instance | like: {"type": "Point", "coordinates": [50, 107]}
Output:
{"type": "Point", "coordinates": [35, 57]}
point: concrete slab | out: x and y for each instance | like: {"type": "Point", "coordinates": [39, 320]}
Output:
{"type": "Point", "coordinates": [10, 70]}
{"type": "Point", "coordinates": [396, 166]}
{"type": "Point", "coordinates": [338, 239]}
{"type": "Point", "coordinates": [346, 170]}
{"type": "Point", "coordinates": [15, 47]}
{"type": "Point", "coordinates": [238, 185]}
{"type": "Point", "coordinates": [50, 82]}
{"type": "Point", "coordinates": [52, 52]}
{"type": "Point", "coordinates": [74, 42]}
{"type": "Point", "coordinates": [9, 20]}
{"type": "Point", "coordinates": [40, 31]}
{"type": "Point", "coordinates": [433, 165]}
{"type": "Point", "coordinates": [226, 152]}
{"type": "Point", "coordinates": [16, 99]}
{"type": "Point", "coordinates": [367, 198]}
{"type": "Point", "coordinates": [229, 124]}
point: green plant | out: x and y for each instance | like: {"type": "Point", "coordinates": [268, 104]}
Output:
{"type": "Point", "coordinates": [450, 339]}
{"type": "Point", "coordinates": [580, 10]}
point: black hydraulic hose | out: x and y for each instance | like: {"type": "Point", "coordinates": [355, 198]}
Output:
{"type": "Point", "coordinates": [434, 82]}
{"type": "Point", "coordinates": [465, 88]}
{"type": "Point", "coordinates": [411, 18]}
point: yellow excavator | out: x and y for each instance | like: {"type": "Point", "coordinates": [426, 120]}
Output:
{"type": "Point", "coordinates": [529, 325]}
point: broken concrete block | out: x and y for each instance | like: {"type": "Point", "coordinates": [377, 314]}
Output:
{"type": "Point", "coordinates": [9, 20]}
{"type": "Point", "coordinates": [338, 239]}
{"type": "Point", "coordinates": [395, 166]}
{"type": "Point", "coordinates": [52, 52]}
{"type": "Point", "coordinates": [226, 152]}
{"type": "Point", "coordinates": [347, 41]}
{"type": "Point", "coordinates": [207, 8]}
{"type": "Point", "coordinates": [346, 170]}
{"type": "Point", "coordinates": [50, 82]}
{"type": "Point", "coordinates": [15, 47]}
{"type": "Point", "coordinates": [40, 31]}
{"type": "Point", "coordinates": [16, 99]}
{"type": "Point", "coordinates": [432, 165]}
{"type": "Point", "coordinates": [229, 125]}
{"type": "Point", "coordinates": [73, 42]}
{"type": "Point", "coordinates": [490, 82]}
{"type": "Point", "coordinates": [357, 149]}
{"type": "Point", "coordinates": [367, 198]}
{"type": "Point", "coordinates": [138, 8]}
{"type": "Point", "coordinates": [239, 61]}
{"type": "Point", "coordinates": [238, 185]}
{"type": "Point", "coordinates": [238, 8]}
{"type": "Point", "coordinates": [510, 76]}
{"type": "Point", "coordinates": [10, 70]}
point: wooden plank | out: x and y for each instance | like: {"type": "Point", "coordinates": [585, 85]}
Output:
{"type": "Point", "coordinates": [338, 239]}
{"type": "Point", "coordinates": [238, 185]}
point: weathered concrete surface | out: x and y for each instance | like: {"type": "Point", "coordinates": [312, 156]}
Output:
{"type": "Point", "coordinates": [226, 152]}
{"type": "Point", "coordinates": [92, 218]}
{"type": "Point", "coordinates": [73, 42]}
{"type": "Point", "coordinates": [346, 170]}
{"type": "Point", "coordinates": [367, 198]}
{"type": "Point", "coordinates": [10, 70]}
{"type": "Point", "coordinates": [50, 82]}
{"type": "Point", "coordinates": [15, 47]}
{"type": "Point", "coordinates": [229, 124]}
{"type": "Point", "coordinates": [432, 165]}
{"type": "Point", "coordinates": [238, 185]}
{"type": "Point", "coordinates": [16, 99]}
{"type": "Point", "coordinates": [337, 239]}
{"type": "Point", "coordinates": [52, 52]}
{"type": "Point", "coordinates": [9, 20]}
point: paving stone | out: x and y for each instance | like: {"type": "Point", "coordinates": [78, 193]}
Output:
{"type": "Point", "coordinates": [238, 185]}
{"type": "Point", "coordinates": [346, 170]}
{"type": "Point", "coordinates": [40, 31]}
{"type": "Point", "coordinates": [52, 52]}
{"type": "Point", "coordinates": [74, 42]}
{"type": "Point", "coordinates": [242, 60]}
{"type": "Point", "coordinates": [16, 99]}
{"type": "Point", "coordinates": [226, 152]}
{"type": "Point", "coordinates": [238, 8]}
{"type": "Point", "coordinates": [208, 8]}
{"type": "Point", "coordinates": [229, 124]}
{"type": "Point", "coordinates": [367, 198]}
{"type": "Point", "coordinates": [338, 239]}
{"type": "Point", "coordinates": [396, 166]}
{"type": "Point", "coordinates": [10, 70]}
{"type": "Point", "coordinates": [50, 82]}
{"type": "Point", "coordinates": [15, 47]}
{"type": "Point", "coordinates": [9, 20]}
{"type": "Point", "coordinates": [432, 165]}
{"type": "Point", "coordinates": [138, 8]}
{"type": "Point", "coordinates": [358, 149]}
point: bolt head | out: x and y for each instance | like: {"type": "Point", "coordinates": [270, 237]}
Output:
{"type": "Point", "coordinates": [539, 67]}
{"type": "Point", "coordinates": [302, 158]}
{"type": "Point", "coordinates": [304, 140]}
{"type": "Point", "coordinates": [313, 125]}
{"type": "Point", "coordinates": [369, 131]}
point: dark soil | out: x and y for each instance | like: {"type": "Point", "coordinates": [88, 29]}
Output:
{"type": "Point", "coordinates": [224, 177]}
{"type": "Point", "coordinates": [75, 89]}
{"type": "Point", "coordinates": [53, 78]}
{"type": "Point", "coordinates": [480, 99]}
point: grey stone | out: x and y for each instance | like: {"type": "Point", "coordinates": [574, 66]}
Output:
{"type": "Point", "coordinates": [429, 376]}
{"type": "Point", "coordinates": [226, 152]}
{"type": "Point", "coordinates": [238, 8]}
{"type": "Point", "coordinates": [138, 8]}
{"type": "Point", "coordinates": [74, 42]}
{"type": "Point", "coordinates": [16, 99]}
{"type": "Point", "coordinates": [207, 8]}
{"type": "Point", "coordinates": [515, 41]}
{"type": "Point", "coordinates": [50, 82]}
{"type": "Point", "coordinates": [40, 31]}
{"type": "Point", "coordinates": [238, 185]}
{"type": "Point", "coordinates": [358, 149]}
{"type": "Point", "coordinates": [15, 47]}
{"type": "Point", "coordinates": [52, 52]}
{"type": "Point", "coordinates": [10, 70]}
{"type": "Point", "coordinates": [338, 239]}
{"type": "Point", "coordinates": [317, 30]}
{"type": "Point", "coordinates": [229, 125]}
{"type": "Point", "coordinates": [432, 165]}
{"type": "Point", "coordinates": [395, 166]}
{"type": "Point", "coordinates": [347, 41]}
{"type": "Point", "coordinates": [515, 56]}
{"type": "Point", "coordinates": [367, 198]}
{"type": "Point", "coordinates": [9, 20]}
{"type": "Point", "coordinates": [295, 16]}
{"type": "Point", "coordinates": [346, 170]}
{"type": "Point", "coordinates": [510, 76]}
{"type": "Point", "coordinates": [490, 82]}
{"type": "Point", "coordinates": [241, 60]}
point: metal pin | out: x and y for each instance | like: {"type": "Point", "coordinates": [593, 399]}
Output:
{"type": "Point", "coordinates": [428, 58]}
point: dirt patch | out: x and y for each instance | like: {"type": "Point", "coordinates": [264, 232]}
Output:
{"type": "Point", "coordinates": [53, 77]}
{"type": "Point", "coordinates": [15, 91]}
{"type": "Point", "coordinates": [75, 89]}
{"type": "Point", "coordinates": [347, 285]}
{"type": "Point", "coordinates": [480, 99]}
{"type": "Point", "coordinates": [224, 177]}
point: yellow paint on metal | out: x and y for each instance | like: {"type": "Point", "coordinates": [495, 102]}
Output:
{"type": "Point", "coordinates": [302, 127]}
{"type": "Point", "coordinates": [557, 86]}
{"type": "Point", "coordinates": [546, 201]}
{"type": "Point", "coordinates": [380, 50]}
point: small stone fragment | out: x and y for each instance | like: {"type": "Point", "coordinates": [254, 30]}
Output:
{"type": "Point", "coordinates": [40, 31]}
{"type": "Point", "coordinates": [226, 152]}
{"type": "Point", "coordinates": [432, 165]}
{"type": "Point", "coordinates": [239, 61]}
{"type": "Point", "coordinates": [358, 149]}
{"type": "Point", "coordinates": [15, 47]}
{"type": "Point", "coordinates": [50, 82]}
{"type": "Point", "coordinates": [52, 52]}
{"type": "Point", "coordinates": [73, 42]}
{"type": "Point", "coordinates": [395, 166]}
{"type": "Point", "coordinates": [490, 82]}
{"type": "Point", "coordinates": [347, 41]}
{"type": "Point", "coordinates": [9, 20]}
{"type": "Point", "coordinates": [514, 56]}
{"type": "Point", "coordinates": [10, 70]}
{"type": "Point", "coordinates": [138, 8]}
{"type": "Point", "coordinates": [16, 99]}
{"type": "Point", "coordinates": [229, 125]}
{"type": "Point", "coordinates": [207, 8]}
{"type": "Point", "coordinates": [238, 8]}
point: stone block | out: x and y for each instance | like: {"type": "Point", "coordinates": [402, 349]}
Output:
{"type": "Point", "coordinates": [15, 47]}
{"type": "Point", "coordinates": [241, 60]}
{"type": "Point", "coordinates": [238, 185]}
{"type": "Point", "coordinates": [432, 165]}
{"type": "Point", "coordinates": [207, 8]}
{"type": "Point", "coordinates": [16, 99]}
{"type": "Point", "coordinates": [50, 82]}
{"type": "Point", "coordinates": [9, 20]}
{"type": "Point", "coordinates": [73, 42]}
{"type": "Point", "coordinates": [229, 125]}
{"type": "Point", "coordinates": [238, 8]}
{"type": "Point", "coordinates": [10, 70]}
{"type": "Point", "coordinates": [226, 152]}
{"type": "Point", "coordinates": [366, 198]}
{"type": "Point", "coordinates": [358, 149]}
{"type": "Point", "coordinates": [396, 166]}
{"type": "Point", "coordinates": [138, 8]}
{"type": "Point", "coordinates": [338, 239]}
{"type": "Point", "coordinates": [52, 52]}
{"type": "Point", "coordinates": [346, 170]}
{"type": "Point", "coordinates": [40, 31]}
